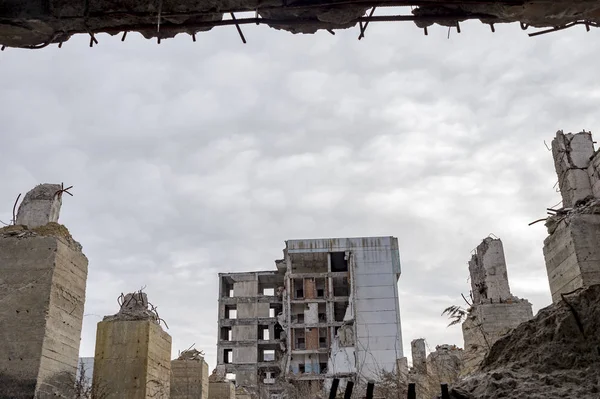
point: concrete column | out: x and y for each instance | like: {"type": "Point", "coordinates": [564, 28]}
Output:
{"type": "Point", "coordinates": [133, 354]}
{"type": "Point", "coordinates": [572, 153]}
{"type": "Point", "coordinates": [419, 356]}
{"type": "Point", "coordinates": [489, 279]}
{"type": "Point", "coordinates": [42, 291]}
{"type": "Point", "coordinates": [572, 254]}
{"type": "Point", "coordinates": [221, 390]}
{"type": "Point", "coordinates": [495, 310]}
{"type": "Point", "coordinates": [189, 378]}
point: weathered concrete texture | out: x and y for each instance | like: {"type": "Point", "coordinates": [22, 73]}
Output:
{"type": "Point", "coordinates": [221, 390]}
{"type": "Point", "coordinates": [419, 355]}
{"type": "Point", "coordinates": [189, 379]}
{"type": "Point", "coordinates": [486, 323]}
{"type": "Point", "coordinates": [38, 23]}
{"type": "Point", "coordinates": [489, 279]}
{"type": "Point", "coordinates": [40, 206]}
{"type": "Point", "coordinates": [132, 360]}
{"type": "Point", "coordinates": [553, 356]}
{"type": "Point", "coordinates": [572, 253]}
{"type": "Point", "coordinates": [572, 153]}
{"type": "Point", "coordinates": [444, 366]}
{"type": "Point", "coordinates": [42, 293]}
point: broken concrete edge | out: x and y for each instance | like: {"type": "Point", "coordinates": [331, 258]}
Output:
{"type": "Point", "coordinates": [135, 307]}
{"type": "Point", "coordinates": [51, 229]}
{"type": "Point", "coordinates": [31, 25]}
{"type": "Point", "coordinates": [588, 206]}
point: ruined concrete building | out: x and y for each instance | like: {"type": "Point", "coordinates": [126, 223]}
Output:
{"type": "Point", "coordinates": [329, 310]}
{"type": "Point", "coordinates": [495, 311]}
{"type": "Point", "coordinates": [43, 276]}
{"type": "Point", "coordinates": [572, 249]}
{"type": "Point", "coordinates": [36, 23]}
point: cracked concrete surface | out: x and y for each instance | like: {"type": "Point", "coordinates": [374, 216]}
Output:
{"type": "Point", "coordinates": [38, 23]}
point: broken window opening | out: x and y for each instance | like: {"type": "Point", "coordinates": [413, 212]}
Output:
{"type": "Point", "coordinates": [230, 312]}
{"type": "Point", "coordinates": [263, 333]}
{"type": "Point", "coordinates": [230, 377]}
{"type": "Point", "coordinates": [226, 288]}
{"type": "Point", "coordinates": [339, 263]}
{"type": "Point", "coordinates": [322, 368]}
{"type": "Point", "coordinates": [275, 309]}
{"type": "Point", "coordinates": [341, 286]}
{"type": "Point", "coordinates": [267, 355]}
{"type": "Point", "coordinates": [339, 310]}
{"type": "Point", "coordinates": [227, 356]}
{"type": "Point", "coordinates": [301, 368]}
{"type": "Point", "coordinates": [268, 291]}
{"type": "Point", "coordinates": [277, 331]}
{"type": "Point", "coordinates": [226, 334]}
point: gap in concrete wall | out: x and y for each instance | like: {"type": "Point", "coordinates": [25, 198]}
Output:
{"type": "Point", "coordinates": [226, 334]}
{"type": "Point", "coordinates": [339, 263]}
{"type": "Point", "coordinates": [340, 286]}
{"type": "Point", "coordinates": [230, 311]}
{"type": "Point", "coordinates": [227, 356]}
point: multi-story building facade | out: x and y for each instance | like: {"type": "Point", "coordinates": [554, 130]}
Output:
{"type": "Point", "coordinates": [329, 310]}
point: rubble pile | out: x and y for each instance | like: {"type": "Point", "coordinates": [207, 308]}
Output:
{"type": "Point", "coordinates": [134, 306]}
{"type": "Point", "coordinates": [554, 355]}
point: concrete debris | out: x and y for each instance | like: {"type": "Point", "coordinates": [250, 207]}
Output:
{"type": "Point", "coordinates": [191, 354]}
{"type": "Point", "coordinates": [40, 206]}
{"type": "Point", "coordinates": [554, 355]}
{"type": "Point", "coordinates": [135, 306]}
{"type": "Point", "coordinates": [32, 24]}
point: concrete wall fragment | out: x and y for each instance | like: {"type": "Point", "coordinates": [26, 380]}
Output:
{"type": "Point", "coordinates": [42, 292]}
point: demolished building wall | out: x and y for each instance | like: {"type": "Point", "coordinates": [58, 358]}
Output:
{"type": "Point", "coordinates": [362, 315]}
{"type": "Point", "coordinates": [250, 340]}
{"type": "Point", "coordinates": [334, 312]}
{"type": "Point", "coordinates": [572, 249]}
{"type": "Point", "coordinates": [43, 277]}
{"type": "Point", "coordinates": [495, 311]}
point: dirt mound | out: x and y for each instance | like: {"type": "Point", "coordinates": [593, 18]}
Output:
{"type": "Point", "coordinates": [554, 355]}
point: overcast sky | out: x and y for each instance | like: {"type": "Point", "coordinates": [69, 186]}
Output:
{"type": "Point", "coordinates": [189, 159]}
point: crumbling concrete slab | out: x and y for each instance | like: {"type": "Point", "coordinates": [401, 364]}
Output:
{"type": "Point", "coordinates": [42, 295]}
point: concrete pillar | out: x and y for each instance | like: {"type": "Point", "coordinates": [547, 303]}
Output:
{"type": "Point", "coordinates": [40, 206]}
{"type": "Point", "coordinates": [419, 356]}
{"type": "Point", "coordinates": [572, 153]}
{"type": "Point", "coordinates": [495, 310]}
{"type": "Point", "coordinates": [42, 291]}
{"type": "Point", "coordinates": [189, 377]}
{"type": "Point", "coordinates": [572, 249]}
{"type": "Point", "coordinates": [487, 267]}
{"type": "Point", "coordinates": [572, 254]}
{"type": "Point", "coordinates": [133, 353]}
{"type": "Point", "coordinates": [221, 390]}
